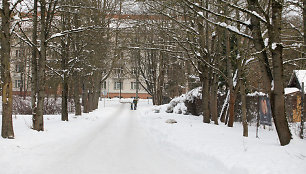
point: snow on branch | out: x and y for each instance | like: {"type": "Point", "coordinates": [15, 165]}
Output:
{"type": "Point", "coordinates": [77, 30]}
{"type": "Point", "coordinates": [224, 25]}
{"type": "Point", "coordinates": [253, 13]}
{"type": "Point", "coordinates": [293, 60]}
{"type": "Point", "coordinates": [27, 41]}
{"type": "Point", "coordinates": [216, 14]}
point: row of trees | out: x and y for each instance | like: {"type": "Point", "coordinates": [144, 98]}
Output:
{"type": "Point", "coordinates": [240, 44]}
{"type": "Point", "coordinates": [70, 43]}
{"type": "Point", "coordinates": [175, 45]}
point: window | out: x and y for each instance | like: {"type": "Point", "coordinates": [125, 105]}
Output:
{"type": "Point", "coordinates": [18, 83]}
{"type": "Point", "coordinates": [18, 67]}
{"type": "Point", "coordinates": [134, 85]}
{"type": "Point", "coordinates": [118, 70]}
{"type": "Point", "coordinates": [104, 85]}
{"type": "Point", "coordinates": [118, 85]}
{"type": "Point", "coordinates": [134, 71]}
{"type": "Point", "coordinates": [17, 53]}
{"type": "Point", "coordinates": [104, 71]}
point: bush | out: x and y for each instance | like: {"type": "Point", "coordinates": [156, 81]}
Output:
{"type": "Point", "coordinates": [51, 106]}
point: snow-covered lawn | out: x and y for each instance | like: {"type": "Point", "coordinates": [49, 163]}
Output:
{"type": "Point", "coordinates": [115, 140]}
{"type": "Point", "coordinates": [219, 148]}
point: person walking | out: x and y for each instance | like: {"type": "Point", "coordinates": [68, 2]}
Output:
{"type": "Point", "coordinates": [135, 103]}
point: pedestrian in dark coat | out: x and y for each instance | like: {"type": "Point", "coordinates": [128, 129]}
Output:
{"type": "Point", "coordinates": [135, 103]}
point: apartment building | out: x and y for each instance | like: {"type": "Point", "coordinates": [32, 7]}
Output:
{"type": "Point", "coordinates": [124, 83]}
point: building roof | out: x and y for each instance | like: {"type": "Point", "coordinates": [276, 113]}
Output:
{"type": "Point", "coordinates": [297, 78]}
{"type": "Point", "coordinates": [291, 90]}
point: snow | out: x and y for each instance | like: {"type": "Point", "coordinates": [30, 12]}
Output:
{"type": "Point", "coordinates": [57, 35]}
{"type": "Point", "coordinates": [249, 60]}
{"type": "Point", "coordinates": [291, 90]}
{"type": "Point", "coordinates": [301, 76]}
{"type": "Point", "coordinates": [274, 45]}
{"type": "Point", "coordinates": [258, 16]}
{"type": "Point", "coordinates": [117, 140]}
{"type": "Point", "coordinates": [266, 42]}
{"type": "Point", "coordinates": [219, 149]}
{"type": "Point", "coordinates": [256, 93]}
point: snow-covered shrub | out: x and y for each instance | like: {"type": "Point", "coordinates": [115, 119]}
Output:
{"type": "Point", "coordinates": [180, 108]}
{"type": "Point", "coordinates": [177, 105]}
{"type": "Point", "coordinates": [21, 106]}
{"type": "Point", "coordinates": [193, 101]}
{"type": "Point", "coordinates": [194, 94]}
{"type": "Point", "coordinates": [51, 106]}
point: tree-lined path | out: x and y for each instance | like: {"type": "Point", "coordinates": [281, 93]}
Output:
{"type": "Point", "coordinates": [118, 144]}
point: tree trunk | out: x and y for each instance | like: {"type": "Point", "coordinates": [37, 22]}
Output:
{"type": "Point", "coordinates": [214, 99]}
{"type": "Point", "coordinates": [78, 108]}
{"type": "Point", "coordinates": [214, 85]}
{"type": "Point", "coordinates": [34, 70]}
{"type": "Point", "coordinates": [76, 74]}
{"type": "Point", "coordinates": [230, 82]}
{"type": "Point", "coordinates": [85, 98]}
{"type": "Point", "coordinates": [279, 115]}
{"type": "Point", "coordinates": [65, 98]}
{"type": "Point", "coordinates": [7, 98]}
{"type": "Point", "coordinates": [259, 45]}
{"type": "Point", "coordinates": [205, 95]}
{"type": "Point", "coordinates": [304, 28]}
{"type": "Point", "coordinates": [160, 80]}
{"type": "Point", "coordinates": [39, 121]}
{"type": "Point", "coordinates": [65, 49]}
{"type": "Point", "coordinates": [97, 90]}
{"type": "Point", "coordinates": [90, 100]}
{"type": "Point", "coordinates": [244, 109]}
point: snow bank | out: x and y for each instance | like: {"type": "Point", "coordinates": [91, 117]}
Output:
{"type": "Point", "coordinates": [177, 105]}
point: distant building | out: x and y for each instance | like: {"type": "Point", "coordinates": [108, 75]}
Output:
{"type": "Point", "coordinates": [121, 83]}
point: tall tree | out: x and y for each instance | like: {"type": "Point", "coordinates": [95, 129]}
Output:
{"type": "Point", "coordinates": [7, 98]}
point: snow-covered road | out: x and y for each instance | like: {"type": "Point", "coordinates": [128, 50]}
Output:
{"type": "Point", "coordinates": [116, 145]}
{"type": "Point", "coordinates": [117, 140]}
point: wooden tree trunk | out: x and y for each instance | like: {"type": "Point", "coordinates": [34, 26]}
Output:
{"type": "Point", "coordinates": [230, 82]}
{"type": "Point", "coordinates": [214, 85]}
{"type": "Point", "coordinates": [65, 49]}
{"type": "Point", "coordinates": [39, 121]}
{"type": "Point", "coordinates": [90, 100]}
{"type": "Point", "coordinates": [244, 109]}
{"type": "Point", "coordinates": [85, 98]}
{"type": "Point", "coordinates": [303, 116]}
{"type": "Point", "coordinates": [304, 28]}
{"type": "Point", "coordinates": [78, 108]}
{"type": "Point", "coordinates": [98, 94]}
{"type": "Point", "coordinates": [205, 95]}
{"type": "Point", "coordinates": [97, 90]}
{"type": "Point", "coordinates": [34, 70]}
{"type": "Point", "coordinates": [259, 45]}
{"type": "Point", "coordinates": [277, 97]}
{"type": "Point", "coordinates": [279, 115]}
{"type": "Point", "coordinates": [65, 98]}
{"type": "Point", "coordinates": [7, 98]}
{"type": "Point", "coordinates": [214, 100]}
{"type": "Point", "coordinates": [160, 80]}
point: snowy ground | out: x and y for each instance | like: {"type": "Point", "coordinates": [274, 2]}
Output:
{"type": "Point", "coordinates": [116, 140]}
